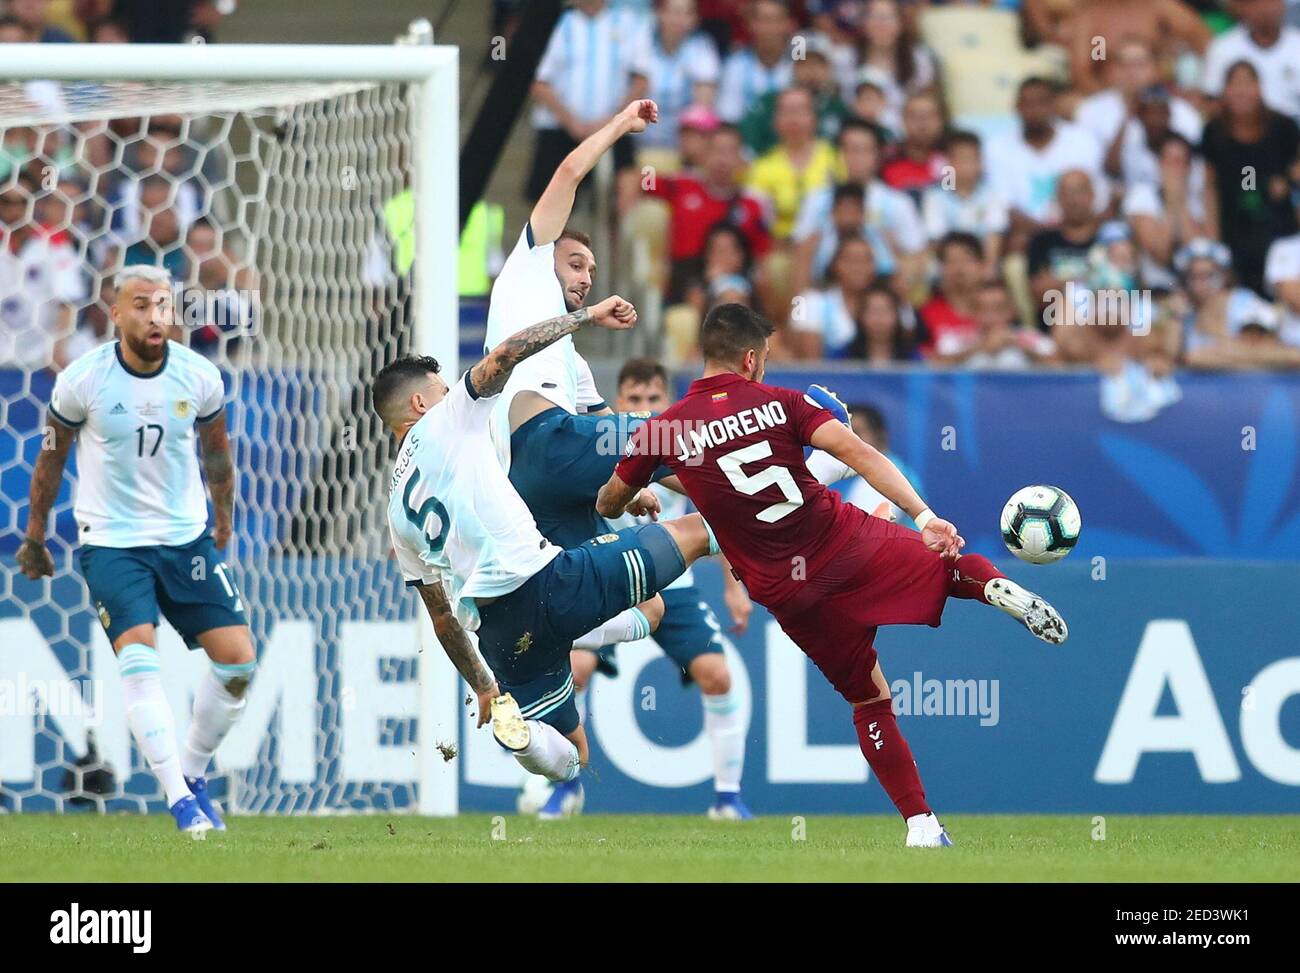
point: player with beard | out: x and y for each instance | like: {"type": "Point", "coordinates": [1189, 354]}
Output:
{"type": "Point", "coordinates": [554, 434]}
{"type": "Point", "coordinates": [135, 407]}
{"type": "Point", "coordinates": [829, 572]}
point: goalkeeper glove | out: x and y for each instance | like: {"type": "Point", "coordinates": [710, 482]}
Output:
{"type": "Point", "coordinates": [820, 395]}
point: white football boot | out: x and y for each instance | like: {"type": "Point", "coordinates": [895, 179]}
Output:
{"type": "Point", "coordinates": [925, 831]}
{"type": "Point", "coordinates": [1033, 610]}
{"type": "Point", "coordinates": [508, 725]}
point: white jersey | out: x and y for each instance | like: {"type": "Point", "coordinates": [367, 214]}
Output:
{"type": "Point", "coordinates": [526, 292]}
{"type": "Point", "coordinates": [138, 480]}
{"type": "Point", "coordinates": [452, 513]}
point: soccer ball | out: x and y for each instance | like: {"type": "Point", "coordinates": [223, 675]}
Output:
{"type": "Point", "coordinates": [1040, 524]}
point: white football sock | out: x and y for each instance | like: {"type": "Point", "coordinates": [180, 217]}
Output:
{"type": "Point", "coordinates": [627, 626]}
{"type": "Point", "coordinates": [926, 823]}
{"type": "Point", "coordinates": [727, 738]}
{"type": "Point", "coordinates": [150, 718]}
{"type": "Point", "coordinates": [216, 710]}
{"type": "Point", "coordinates": [549, 753]}
{"type": "Point", "coordinates": [580, 702]}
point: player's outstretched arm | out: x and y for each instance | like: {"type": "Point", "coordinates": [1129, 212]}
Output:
{"type": "Point", "coordinates": [551, 212]}
{"type": "Point", "coordinates": [614, 497]}
{"type": "Point", "coordinates": [878, 470]}
{"type": "Point", "coordinates": [459, 649]}
{"type": "Point", "coordinates": [489, 376]}
{"type": "Point", "coordinates": [219, 471]}
{"type": "Point", "coordinates": [33, 557]}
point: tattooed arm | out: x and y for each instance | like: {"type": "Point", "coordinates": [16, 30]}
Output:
{"type": "Point", "coordinates": [33, 557]}
{"type": "Point", "coordinates": [457, 645]}
{"type": "Point", "coordinates": [489, 376]}
{"type": "Point", "coordinates": [220, 472]}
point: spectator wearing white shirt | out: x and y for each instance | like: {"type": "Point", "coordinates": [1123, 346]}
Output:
{"type": "Point", "coordinates": [1133, 156]}
{"type": "Point", "coordinates": [1112, 115]}
{"type": "Point", "coordinates": [839, 22]}
{"type": "Point", "coordinates": [751, 72]}
{"type": "Point", "coordinates": [1000, 342]}
{"type": "Point", "coordinates": [1167, 213]}
{"type": "Point", "coordinates": [1132, 70]}
{"type": "Point", "coordinates": [41, 282]}
{"type": "Point", "coordinates": [153, 157]}
{"type": "Point", "coordinates": [824, 322]}
{"type": "Point", "coordinates": [594, 64]}
{"type": "Point", "coordinates": [1272, 46]}
{"type": "Point", "coordinates": [889, 215]}
{"type": "Point", "coordinates": [1224, 325]}
{"type": "Point", "coordinates": [891, 52]}
{"type": "Point", "coordinates": [684, 69]}
{"type": "Point", "coordinates": [1282, 278]}
{"type": "Point", "coordinates": [965, 200]}
{"type": "Point", "coordinates": [848, 218]}
{"type": "Point", "coordinates": [1026, 165]}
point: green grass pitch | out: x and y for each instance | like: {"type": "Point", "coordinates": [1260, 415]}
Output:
{"type": "Point", "coordinates": [478, 847]}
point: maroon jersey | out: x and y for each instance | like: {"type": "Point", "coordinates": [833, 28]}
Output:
{"type": "Point", "coordinates": [737, 446]}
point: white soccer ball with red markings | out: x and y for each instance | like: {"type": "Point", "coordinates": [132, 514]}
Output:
{"type": "Point", "coordinates": [1040, 524]}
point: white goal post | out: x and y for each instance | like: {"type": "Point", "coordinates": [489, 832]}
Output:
{"type": "Point", "coordinates": [249, 132]}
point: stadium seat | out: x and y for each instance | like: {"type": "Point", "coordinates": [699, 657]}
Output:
{"type": "Point", "coordinates": [955, 30]}
{"type": "Point", "coordinates": [979, 87]}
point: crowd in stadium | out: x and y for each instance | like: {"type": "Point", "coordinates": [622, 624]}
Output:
{"type": "Point", "coordinates": [988, 184]}
{"type": "Point", "coordinates": [79, 202]}
{"type": "Point", "coordinates": [1000, 184]}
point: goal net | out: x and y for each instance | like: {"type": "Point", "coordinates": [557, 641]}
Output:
{"type": "Point", "coordinates": [286, 211]}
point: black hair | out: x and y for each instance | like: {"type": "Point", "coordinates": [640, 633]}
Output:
{"type": "Point", "coordinates": [962, 137]}
{"type": "Point", "coordinates": [642, 371]}
{"type": "Point", "coordinates": [957, 238]}
{"type": "Point", "coordinates": [848, 190]}
{"type": "Point", "coordinates": [394, 378]}
{"type": "Point", "coordinates": [861, 125]}
{"type": "Point", "coordinates": [730, 330]}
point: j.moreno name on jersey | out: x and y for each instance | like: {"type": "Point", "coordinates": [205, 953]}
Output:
{"type": "Point", "coordinates": [687, 439]}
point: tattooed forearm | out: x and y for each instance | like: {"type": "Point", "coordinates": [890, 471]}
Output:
{"type": "Point", "coordinates": [218, 467]}
{"type": "Point", "coordinates": [220, 472]}
{"type": "Point", "coordinates": [489, 375]}
{"type": "Point", "coordinates": [47, 476]}
{"type": "Point", "coordinates": [454, 641]}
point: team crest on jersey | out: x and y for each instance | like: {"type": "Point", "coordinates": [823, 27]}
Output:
{"type": "Point", "coordinates": [182, 409]}
{"type": "Point", "coordinates": [605, 539]}
{"type": "Point", "coordinates": [105, 618]}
